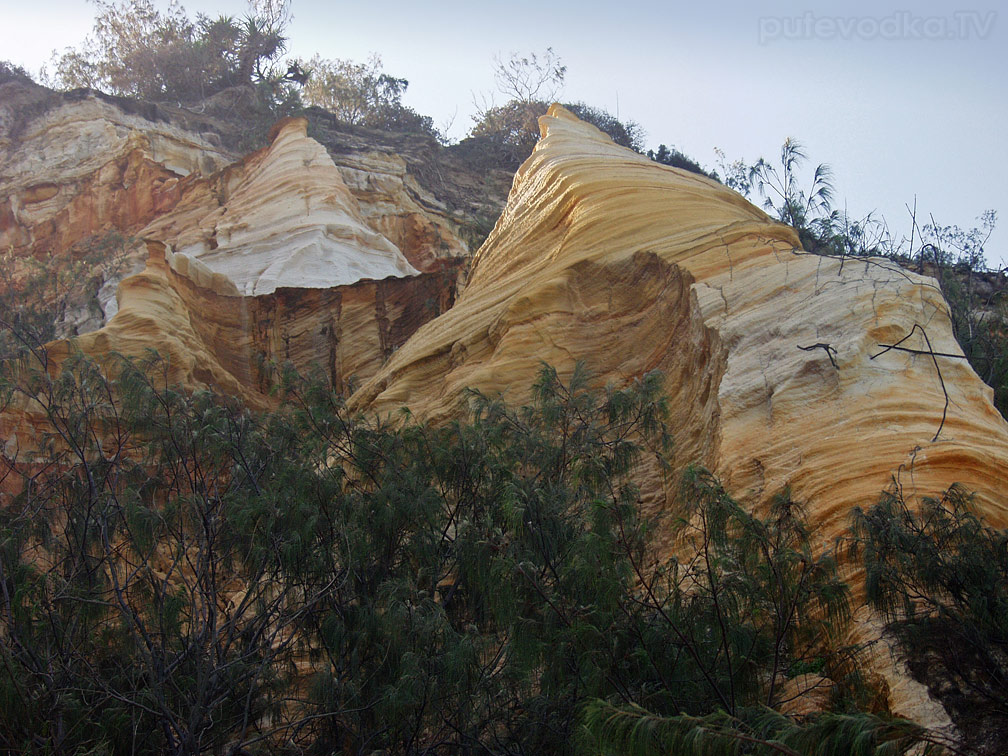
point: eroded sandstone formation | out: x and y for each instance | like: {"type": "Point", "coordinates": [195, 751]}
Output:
{"type": "Point", "coordinates": [280, 217]}
{"type": "Point", "coordinates": [395, 204]}
{"type": "Point", "coordinates": [595, 245]}
{"type": "Point", "coordinates": [270, 258]}
{"type": "Point", "coordinates": [76, 166]}
{"type": "Point", "coordinates": [775, 359]}
{"type": "Point", "coordinates": [606, 256]}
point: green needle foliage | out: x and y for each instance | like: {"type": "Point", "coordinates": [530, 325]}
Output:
{"type": "Point", "coordinates": [485, 569]}
{"type": "Point", "coordinates": [747, 622]}
{"type": "Point", "coordinates": [780, 186]}
{"type": "Point", "coordinates": [758, 731]}
{"type": "Point", "coordinates": [938, 574]}
{"type": "Point", "coordinates": [180, 575]}
{"type": "Point", "coordinates": [753, 588]}
{"type": "Point", "coordinates": [136, 620]}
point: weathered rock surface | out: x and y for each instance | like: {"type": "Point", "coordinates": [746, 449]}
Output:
{"type": "Point", "coordinates": [775, 360]}
{"type": "Point", "coordinates": [213, 338]}
{"type": "Point", "coordinates": [395, 204]}
{"type": "Point", "coordinates": [267, 259]}
{"type": "Point", "coordinates": [604, 256]}
{"type": "Point", "coordinates": [280, 217]}
{"type": "Point", "coordinates": [221, 341]}
{"type": "Point", "coordinates": [398, 176]}
{"type": "Point", "coordinates": [74, 165]}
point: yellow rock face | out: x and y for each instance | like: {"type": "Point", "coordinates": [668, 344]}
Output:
{"type": "Point", "coordinates": [76, 165]}
{"type": "Point", "coordinates": [394, 204]}
{"type": "Point", "coordinates": [85, 164]}
{"type": "Point", "coordinates": [215, 339]}
{"type": "Point", "coordinates": [775, 360]}
{"type": "Point", "coordinates": [605, 256]}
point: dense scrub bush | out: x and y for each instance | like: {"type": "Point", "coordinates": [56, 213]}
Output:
{"type": "Point", "coordinates": [629, 134]}
{"type": "Point", "coordinates": [508, 133]}
{"type": "Point", "coordinates": [184, 576]}
{"type": "Point", "coordinates": [938, 574]}
{"type": "Point", "coordinates": [505, 135]}
{"type": "Point", "coordinates": [676, 159]}
{"type": "Point", "coordinates": [180, 556]}
{"type": "Point", "coordinates": [362, 94]}
{"type": "Point", "coordinates": [11, 72]}
{"type": "Point", "coordinates": [977, 297]}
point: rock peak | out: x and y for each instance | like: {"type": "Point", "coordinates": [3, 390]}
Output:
{"type": "Point", "coordinates": [293, 125]}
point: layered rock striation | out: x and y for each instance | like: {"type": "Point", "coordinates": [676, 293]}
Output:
{"type": "Point", "coordinates": [778, 363]}
{"type": "Point", "coordinates": [232, 265]}
{"type": "Point", "coordinates": [74, 165]}
{"type": "Point", "coordinates": [281, 217]}
{"type": "Point", "coordinates": [835, 378]}
{"type": "Point", "coordinates": [605, 256]}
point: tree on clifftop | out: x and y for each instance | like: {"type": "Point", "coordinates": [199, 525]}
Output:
{"type": "Point", "coordinates": [361, 94]}
{"type": "Point", "coordinates": [137, 51]}
{"type": "Point", "coordinates": [530, 82]}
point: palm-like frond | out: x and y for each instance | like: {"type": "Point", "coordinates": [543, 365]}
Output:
{"type": "Point", "coordinates": [781, 187]}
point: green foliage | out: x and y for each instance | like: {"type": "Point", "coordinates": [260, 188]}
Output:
{"type": "Point", "coordinates": [362, 94]}
{"type": "Point", "coordinates": [11, 72]}
{"type": "Point", "coordinates": [734, 174]}
{"type": "Point", "coordinates": [747, 612]}
{"type": "Point", "coordinates": [439, 588]}
{"type": "Point", "coordinates": [508, 133]}
{"type": "Point", "coordinates": [939, 576]}
{"type": "Point", "coordinates": [676, 159]}
{"type": "Point", "coordinates": [978, 306]}
{"type": "Point", "coordinates": [782, 192]}
{"type": "Point", "coordinates": [136, 50]}
{"type": "Point", "coordinates": [956, 257]}
{"type": "Point", "coordinates": [837, 234]}
{"type": "Point", "coordinates": [487, 570]}
{"type": "Point", "coordinates": [977, 299]}
{"type": "Point", "coordinates": [821, 228]}
{"type": "Point", "coordinates": [629, 134]}
{"type": "Point", "coordinates": [185, 576]}
{"type": "Point", "coordinates": [357, 93]}
{"type": "Point", "coordinates": [136, 617]}
{"type": "Point", "coordinates": [948, 246]}
{"type": "Point", "coordinates": [505, 135]}
{"type": "Point", "coordinates": [632, 731]}
{"type": "Point", "coordinates": [743, 621]}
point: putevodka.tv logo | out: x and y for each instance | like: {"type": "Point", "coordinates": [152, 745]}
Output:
{"type": "Point", "coordinates": [961, 25]}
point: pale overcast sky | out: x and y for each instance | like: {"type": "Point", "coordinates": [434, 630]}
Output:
{"type": "Point", "coordinates": [900, 103]}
